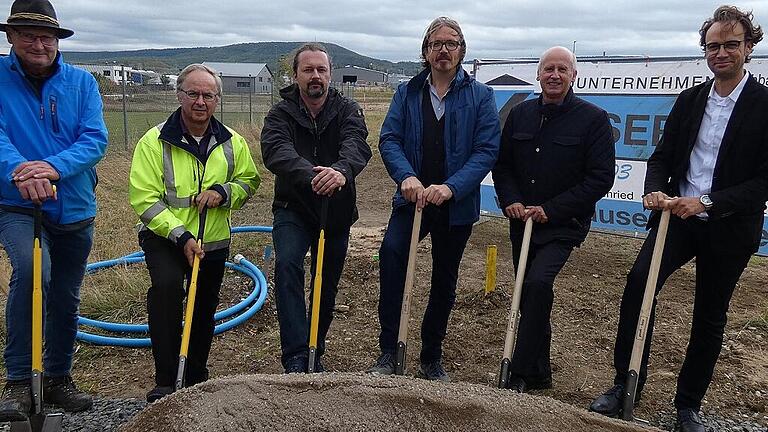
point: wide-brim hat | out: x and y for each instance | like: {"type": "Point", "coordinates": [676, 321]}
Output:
{"type": "Point", "coordinates": [35, 13]}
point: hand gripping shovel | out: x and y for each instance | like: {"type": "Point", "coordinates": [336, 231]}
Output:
{"type": "Point", "coordinates": [317, 288]}
{"type": "Point", "coordinates": [405, 307]}
{"type": "Point", "coordinates": [514, 311]}
{"type": "Point", "coordinates": [38, 421]}
{"type": "Point", "coordinates": [645, 316]}
{"type": "Point", "coordinates": [191, 293]}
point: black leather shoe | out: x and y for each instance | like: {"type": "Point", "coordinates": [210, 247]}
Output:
{"type": "Point", "coordinates": [517, 384]}
{"type": "Point", "coordinates": [17, 401]}
{"type": "Point", "coordinates": [62, 392]}
{"type": "Point", "coordinates": [158, 393]}
{"type": "Point", "coordinates": [609, 403]}
{"type": "Point", "coordinates": [688, 420]}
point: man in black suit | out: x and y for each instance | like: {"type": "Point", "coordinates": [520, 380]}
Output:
{"type": "Point", "coordinates": [711, 170]}
{"type": "Point", "coordinates": [556, 161]}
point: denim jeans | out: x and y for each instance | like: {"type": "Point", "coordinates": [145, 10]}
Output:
{"type": "Point", "coordinates": [293, 237]}
{"type": "Point", "coordinates": [448, 243]}
{"type": "Point", "coordinates": [65, 254]}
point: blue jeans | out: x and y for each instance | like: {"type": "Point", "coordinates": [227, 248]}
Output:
{"type": "Point", "coordinates": [448, 243]}
{"type": "Point", "coordinates": [293, 237]}
{"type": "Point", "coordinates": [65, 254]}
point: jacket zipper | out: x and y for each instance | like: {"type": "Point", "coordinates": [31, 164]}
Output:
{"type": "Point", "coordinates": [54, 117]}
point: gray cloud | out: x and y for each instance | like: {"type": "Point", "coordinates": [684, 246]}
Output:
{"type": "Point", "coordinates": [393, 30]}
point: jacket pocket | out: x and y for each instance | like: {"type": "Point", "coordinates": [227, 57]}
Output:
{"type": "Point", "coordinates": [566, 141]}
{"type": "Point", "coordinates": [521, 136]}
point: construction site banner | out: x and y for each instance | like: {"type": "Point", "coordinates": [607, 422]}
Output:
{"type": "Point", "coordinates": [638, 94]}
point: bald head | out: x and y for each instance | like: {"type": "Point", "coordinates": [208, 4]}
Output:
{"type": "Point", "coordinates": [556, 72]}
{"type": "Point", "coordinates": [558, 51]}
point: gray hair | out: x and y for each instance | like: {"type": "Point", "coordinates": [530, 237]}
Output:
{"type": "Point", "coordinates": [557, 48]}
{"type": "Point", "coordinates": [198, 67]}
{"type": "Point", "coordinates": [434, 26]}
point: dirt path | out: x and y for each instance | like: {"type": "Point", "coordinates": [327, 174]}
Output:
{"type": "Point", "coordinates": [357, 402]}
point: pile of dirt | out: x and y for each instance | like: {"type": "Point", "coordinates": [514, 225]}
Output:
{"type": "Point", "coordinates": [359, 402]}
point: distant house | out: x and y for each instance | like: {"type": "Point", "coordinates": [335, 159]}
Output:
{"type": "Point", "coordinates": [244, 77]}
{"type": "Point", "coordinates": [111, 72]}
{"type": "Point", "coordinates": [358, 75]}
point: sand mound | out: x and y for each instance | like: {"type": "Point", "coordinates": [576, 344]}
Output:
{"type": "Point", "coordinates": [358, 402]}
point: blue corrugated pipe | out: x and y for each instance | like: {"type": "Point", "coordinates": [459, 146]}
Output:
{"type": "Point", "coordinates": [255, 300]}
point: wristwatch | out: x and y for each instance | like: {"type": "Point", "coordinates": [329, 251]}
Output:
{"type": "Point", "coordinates": [706, 201]}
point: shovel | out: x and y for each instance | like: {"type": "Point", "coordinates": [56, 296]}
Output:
{"type": "Point", "coordinates": [317, 288]}
{"type": "Point", "coordinates": [514, 311]}
{"type": "Point", "coordinates": [38, 421]}
{"type": "Point", "coordinates": [191, 293]}
{"type": "Point", "coordinates": [405, 307]}
{"type": "Point", "coordinates": [645, 316]}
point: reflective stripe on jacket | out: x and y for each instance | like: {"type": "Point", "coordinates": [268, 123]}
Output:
{"type": "Point", "coordinates": [165, 177]}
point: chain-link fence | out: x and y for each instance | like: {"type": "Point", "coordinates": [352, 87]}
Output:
{"type": "Point", "coordinates": [129, 111]}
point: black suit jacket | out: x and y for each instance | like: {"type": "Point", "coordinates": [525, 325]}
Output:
{"type": "Point", "coordinates": [740, 180]}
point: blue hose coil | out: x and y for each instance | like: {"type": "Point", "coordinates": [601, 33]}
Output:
{"type": "Point", "coordinates": [255, 300]}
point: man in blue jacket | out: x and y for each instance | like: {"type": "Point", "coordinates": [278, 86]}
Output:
{"type": "Point", "coordinates": [51, 132]}
{"type": "Point", "coordinates": [439, 140]}
{"type": "Point", "coordinates": [556, 161]}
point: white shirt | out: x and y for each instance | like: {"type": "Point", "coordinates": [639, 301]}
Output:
{"type": "Point", "coordinates": [698, 180]}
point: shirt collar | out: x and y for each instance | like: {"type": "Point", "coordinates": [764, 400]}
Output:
{"type": "Point", "coordinates": [734, 96]}
{"type": "Point", "coordinates": [428, 82]}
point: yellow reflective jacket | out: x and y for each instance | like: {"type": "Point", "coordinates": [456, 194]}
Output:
{"type": "Point", "coordinates": [168, 171]}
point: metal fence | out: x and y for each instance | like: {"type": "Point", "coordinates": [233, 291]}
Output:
{"type": "Point", "coordinates": [129, 111]}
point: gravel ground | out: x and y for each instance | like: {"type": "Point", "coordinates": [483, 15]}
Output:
{"type": "Point", "coordinates": [108, 414]}
{"type": "Point", "coordinates": [105, 416]}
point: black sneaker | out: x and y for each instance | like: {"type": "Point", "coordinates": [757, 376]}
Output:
{"type": "Point", "coordinates": [688, 420]}
{"type": "Point", "coordinates": [385, 365]}
{"type": "Point", "coordinates": [17, 401]}
{"type": "Point", "coordinates": [433, 371]}
{"type": "Point", "coordinates": [296, 364]}
{"type": "Point", "coordinates": [62, 392]}
{"type": "Point", "coordinates": [158, 393]}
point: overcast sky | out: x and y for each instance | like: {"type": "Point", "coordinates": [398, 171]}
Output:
{"type": "Point", "coordinates": [392, 29]}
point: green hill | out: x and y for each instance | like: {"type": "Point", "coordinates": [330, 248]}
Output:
{"type": "Point", "coordinates": [171, 60]}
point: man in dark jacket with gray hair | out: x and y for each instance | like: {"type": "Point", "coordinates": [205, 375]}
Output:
{"type": "Point", "coordinates": [556, 161]}
{"type": "Point", "coordinates": [314, 143]}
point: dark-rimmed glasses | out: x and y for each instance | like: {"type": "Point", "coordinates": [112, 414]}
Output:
{"type": "Point", "coordinates": [29, 38]}
{"type": "Point", "coordinates": [730, 46]}
{"type": "Point", "coordinates": [450, 45]}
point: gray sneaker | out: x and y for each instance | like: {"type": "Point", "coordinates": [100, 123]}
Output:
{"type": "Point", "coordinates": [433, 371]}
{"type": "Point", "coordinates": [385, 365]}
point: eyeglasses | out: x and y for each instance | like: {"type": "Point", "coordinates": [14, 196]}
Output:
{"type": "Point", "coordinates": [450, 45]}
{"type": "Point", "coordinates": [30, 38]}
{"type": "Point", "coordinates": [730, 46]}
{"type": "Point", "coordinates": [193, 95]}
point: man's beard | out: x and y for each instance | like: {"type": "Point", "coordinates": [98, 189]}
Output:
{"type": "Point", "coordinates": [315, 92]}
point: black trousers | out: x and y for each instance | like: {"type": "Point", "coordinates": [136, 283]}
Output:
{"type": "Point", "coordinates": [534, 337]}
{"type": "Point", "coordinates": [448, 244]}
{"type": "Point", "coordinates": [169, 272]}
{"type": "Point", "coordinates": [716, 276]}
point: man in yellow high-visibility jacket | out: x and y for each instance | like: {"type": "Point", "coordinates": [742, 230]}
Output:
{"type": "Point", "coordinates": [189, 163]}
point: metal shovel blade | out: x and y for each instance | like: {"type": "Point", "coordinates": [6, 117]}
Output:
{"type": "Point", "coordinates": [39, 423]}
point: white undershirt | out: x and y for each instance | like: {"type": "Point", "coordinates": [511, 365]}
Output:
{"type": "Point", "coordinates": [698, 180]}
